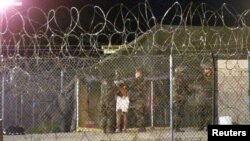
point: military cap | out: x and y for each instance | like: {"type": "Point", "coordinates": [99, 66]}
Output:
{"type": "Point", "coordinates": [139, 70]}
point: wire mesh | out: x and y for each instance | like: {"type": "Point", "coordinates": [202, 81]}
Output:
{"type": "Point", "coordinates": [52, 71]}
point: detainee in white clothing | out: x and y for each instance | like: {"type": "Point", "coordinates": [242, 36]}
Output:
{"type": "Point", "coordinates": [122, 103]}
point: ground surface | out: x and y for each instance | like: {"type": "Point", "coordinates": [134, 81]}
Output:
{"type": "Point", "coordinates": [131, 135]}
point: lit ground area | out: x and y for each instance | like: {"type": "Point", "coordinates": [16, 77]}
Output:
{"type": "Point", "coordinates": [190, 134]}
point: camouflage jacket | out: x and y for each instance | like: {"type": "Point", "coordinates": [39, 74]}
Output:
{"type": "Point", "coordinates": [180, 89]}
{"type": "Point", "coordinates": [108, 92]}
{"type": "Point", "coordinates": [138, 88]}
{"type": "Point", "coordinates": [204, 92]}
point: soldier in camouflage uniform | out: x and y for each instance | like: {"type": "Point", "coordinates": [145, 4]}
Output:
{"type": "Point", "coordinates": [137, 92]}
{"type": "Point", "coordinates": [180, 93]}
{"type": "Point", "coordinates": [204, 97]}
{"type": "Point", "coordinates": [107, 103]}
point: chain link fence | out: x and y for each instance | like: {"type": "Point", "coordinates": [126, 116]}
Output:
{"type": "Point", "coordinates": [52, 72]}
{"type": "Point", "coordinates": [61, 97]}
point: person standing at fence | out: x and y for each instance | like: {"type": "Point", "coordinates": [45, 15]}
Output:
{"type": "Point", "coordinates": [107, 103]}
{"type": "Point", "coordinates": [180, 93]}
{"type": "Point", "coordinates": [204, 97]}
{"type": "Point", "coordinates": [137, 93]}
{"type": "Point", "coordinates": [122, 103]}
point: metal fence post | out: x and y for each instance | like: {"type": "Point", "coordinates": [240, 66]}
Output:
{"type": "Point", "coordinates": [77, 101]}
{"type": "Point", "coordinates": [171, 95]}
{"type": "Point", "coordinates": [214, 91]}
{"type": "Point", "coordinates": [61, 85]}
{"type": "Point", "coordinates": [152, 104]}
{"type": "Point", "coordinates": [248, 62]}
{"type": "Point", "coordinates": [1, 129]}
{"type": "Point", "coordinates": [33, 110]}
{"type": "Point", "coordinates": [3, 93]}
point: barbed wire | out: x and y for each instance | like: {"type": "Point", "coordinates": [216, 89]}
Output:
{"type": "Point", "coordinates": [70, 31]}
{"type": "Point", "coordinates": [46, 56]}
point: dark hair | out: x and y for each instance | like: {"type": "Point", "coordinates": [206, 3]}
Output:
{"type": "Point", "coordinates": [139, 70]}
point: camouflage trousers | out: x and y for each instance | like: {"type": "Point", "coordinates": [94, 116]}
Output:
{"type": "Point", "coordinates": [108, 118]}
{"type": "Point", "coordinates": [204, 112]}
{"type": "Point", "coordinates": [139, 111]}
{"type": "Point", "coordinates": [178, 113]}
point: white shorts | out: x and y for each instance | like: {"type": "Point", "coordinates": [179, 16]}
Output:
{"type": "Point", "coordinates": [122, 103]}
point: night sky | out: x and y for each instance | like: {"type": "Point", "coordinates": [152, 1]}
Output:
{"type": "Point", "coordinates": [158, 6]}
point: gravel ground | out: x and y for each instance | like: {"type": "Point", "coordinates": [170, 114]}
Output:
{"type": "Point", "coordinates": [131, 135]}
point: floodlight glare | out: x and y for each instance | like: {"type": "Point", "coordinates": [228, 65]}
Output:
{"type": "Point", "coordinates": [4, 4]}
